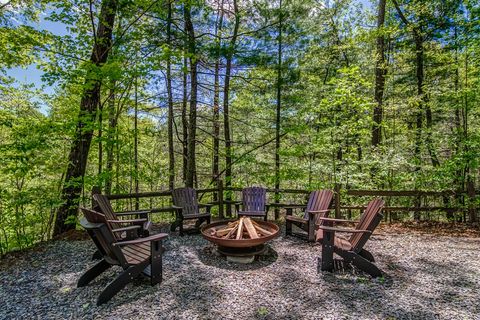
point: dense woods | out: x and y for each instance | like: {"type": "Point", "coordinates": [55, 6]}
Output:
{"type": "Point", "coordinates": [151, 95]}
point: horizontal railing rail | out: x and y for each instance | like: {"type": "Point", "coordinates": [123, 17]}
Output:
{"type": "Point", "coordinates": [222, 198]}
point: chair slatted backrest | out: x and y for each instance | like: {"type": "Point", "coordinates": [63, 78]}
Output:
{"type": "Point", "coordinates": [319, 200]}
{"type": "Point", "coordinates": [99, 230]}
{"type": "Point", "coordinates": [187, 199]}
{"type": "Point", "coordinates": [254, 199]}
{"type": "Point", "coordinates": [106, 208]}
{"type": "Point", "coordinates": [369, 220]}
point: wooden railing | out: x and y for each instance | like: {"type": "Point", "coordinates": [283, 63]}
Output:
{"type": "Point", "coordinates": [464, 201]}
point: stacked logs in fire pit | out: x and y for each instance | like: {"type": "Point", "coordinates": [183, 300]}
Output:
{"type": "Point", "coordinates": [243, 228]}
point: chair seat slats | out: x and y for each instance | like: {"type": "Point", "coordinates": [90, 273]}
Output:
{"type": "Point", "coordinates": [136, 254]}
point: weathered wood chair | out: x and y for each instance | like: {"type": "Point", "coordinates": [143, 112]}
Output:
{"type": "Point", "coordinates": [136, 257]}
{"type": "Point", "coordinates": [254, 203]}
{"type": "Point", "coordinates": [351, 250]}
{"type": "Point", "coordinates": [185, 203]}
{"type": "Point", "coordinates": [316, 208]}
{"type": "Point", "coordinates": [125, 229]}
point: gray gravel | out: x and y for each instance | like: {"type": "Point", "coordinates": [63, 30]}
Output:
{"type": "Point", "coordinates": [426, 277]}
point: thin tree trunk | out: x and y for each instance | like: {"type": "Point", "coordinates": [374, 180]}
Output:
{"type": "Point", "coordinates": [278, 110]}
{"type": "Point", "coordinates": [185, 121]}
{"type": "Point", "coordinates": [112, 127]}
{"type": "Point", "coordinates": [226, 111]}
{"type": "Point", "coordinates": [135, 143]}
{"type": "Point", "coordinates": [380, 74]}
{"type": "Point", "coordinates": [100, 143]}
{"type": "Point", "coordinates": [171, 151]}
{"type": "Point", "coordinates": [192, 117]}
{"type": "Point", "coordinates": [216, 100]}
{"type": "Point", "coordinates": [77, 159]}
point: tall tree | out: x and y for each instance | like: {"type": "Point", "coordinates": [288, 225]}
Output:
{"type": "Point", "coordinates": [216, 97]}
{"type": "Point", "coordinates": [380, 74]}
{"type": "Point", "coordinates": [77, 159]}
{"type": "Point", "coordinates": [278, 106]}
{"type": "Point", "coordinates": [171, 151]}
{"type": "Point", "coordinates": [226, 97]}
{"type": "Point", "coordinates": [192, 115]}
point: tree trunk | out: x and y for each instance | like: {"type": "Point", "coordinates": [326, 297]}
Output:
{"type": "Point", "coordinates": [184, 120]}
{"type": "Point", "coordinates": [171, 154]}
{"type": "Point", "coordinates": [278, 110]}
{"type": "Point", "coordinates": [226, 119]}
{"type": "Point", "coordinates": [380, 73]}
{"type": "Point", "coordinates": [192, 116]}
{"type": "Point", "coordinates": [100, 143]}
{"type": "Point", "coordinates": [112, 127]}
{"type": "Point", "coordinates": [216, 99]}
{"type": "Point", "coordinates": [135, 142]}
{"type": "Point", "coordinates": [77, 159]}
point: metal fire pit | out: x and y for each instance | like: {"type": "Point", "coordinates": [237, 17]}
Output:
{"type": "Point", "coordinates": [240, 247]}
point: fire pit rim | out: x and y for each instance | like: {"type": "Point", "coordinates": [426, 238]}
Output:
{"type": "Point", "coordinates": [240, 243]}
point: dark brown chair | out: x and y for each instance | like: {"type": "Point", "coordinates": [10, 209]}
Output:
{"type": "Point", "coordinates": [351, 250]}
{"type": "Point", "coordinates": [254, 203]}
{"type": "Point", "coordinates": [316, 208]}
{"type": "Point", "coordinates": [185, 203]}
{"type": "Point", "coordinates": [143, 255]}
{"type": "Point", "coordinates": [125, 229]}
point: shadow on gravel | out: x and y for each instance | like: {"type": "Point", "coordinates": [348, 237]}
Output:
{"type": "Point", "coordinates": [209, 256]}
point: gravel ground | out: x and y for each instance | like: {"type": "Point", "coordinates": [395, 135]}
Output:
{"type": "Point", "coordinates": [426, 277]}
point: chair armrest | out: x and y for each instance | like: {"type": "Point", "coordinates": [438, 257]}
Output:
{"type": "Point", "coordinates": [155, 237]}
{"type": "Point", "coordinates": [343, 230]}
{"type": "Point", "coordinates": [176, 207]}
{"type": "Point", "coordinates": [337, 220]}
{"type": "Point", "coordinates": [318, 211]}
{"type": "Point", "coordinates": [128, 221]}
{"type": "Point", "coordinates": [136, 226]}
{"type": "Point", "coordinates": [132, 213]}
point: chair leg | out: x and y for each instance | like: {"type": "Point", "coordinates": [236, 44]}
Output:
{"type": "Point", "coordinates": [367, 255]}
{"type": "Point", "coordinates": [92, 273]}
{"type": "Point", "coordinates": [156, 250]}
{"type": "Point", "coordinates": [327, 251]}
{"type": "Point", "coordinates": [311, 230]}
{"type": "Point", "coordinates": [361, 263]}
{"type": "Point", "coordinates": [120, 282]}
{"type": "Point", "coordinates": [97, 255]}
{"type": "Point", "coordinates": [181, 228]}
{"type": "Point", "coordinates": [288, 223]}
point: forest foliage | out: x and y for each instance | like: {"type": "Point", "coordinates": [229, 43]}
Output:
{"type": "Point", "coordinates": [292, 93]}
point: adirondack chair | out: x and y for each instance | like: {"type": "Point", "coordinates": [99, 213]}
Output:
{"type": "Point", "coordinates": [254, 203]}
{"type": "Point", "coordinates": [316, 208]}
{"type": "Point", "coordinates": [128, 228]}
{"type": "Point", "coordinates": [185, 203]}
{"type": "Point", "coordinates": [351, 250]}
{"type": "Point", "coordinates": [142, 255]}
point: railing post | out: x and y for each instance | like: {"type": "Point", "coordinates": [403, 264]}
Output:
{"type": "Point", "coordinates": [337, 200]}
{"type": "Point", "coordinates": [220, 199]}
{"type": "Point", "coordinates": [472, 214]}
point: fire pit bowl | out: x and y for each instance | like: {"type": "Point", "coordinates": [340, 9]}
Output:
{"type": "Point", "coordinates": [240, 243]}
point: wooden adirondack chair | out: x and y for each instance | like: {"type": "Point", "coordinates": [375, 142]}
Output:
{"type": "Point", "coordinates": [127, 228]}
{"type": "Point", "coordinates": [351, 250]}
{"type": "Point", "coordinates": [316, 208]}
{"type": "Point", "coordinates": [254, 203]}
{"type": "Point", "coordinates": [142, 255]}
{"type": "Point", "coordinates": [185, 203]}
